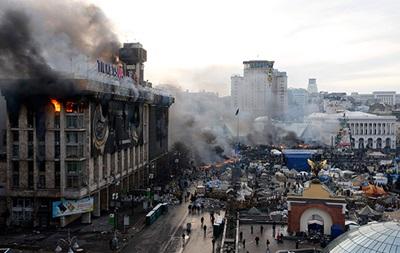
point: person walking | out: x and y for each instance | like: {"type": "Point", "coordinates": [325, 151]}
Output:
{"type": "Point", "coordinates": [268, 244]}
{"type": "Point", "coordinates": [244, 243]}
{"type": "Point", "coordinates": [205, 229]}
{"type": "Point", "coordinates": [251, 229]}
{"type": "Point", "coordinates": [240, 236]}
{"type": "Point", "coordinates": [202, 220]}
{"type": "Point", "coordinates": [257, 240]}
{"type": "Point", "coordinates": [262, 229]}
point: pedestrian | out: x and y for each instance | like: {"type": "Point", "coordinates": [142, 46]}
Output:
{"type": "Point", "coordinates": [251, 229]}
{"type": "Point", "coordinates": [257, 240]}
{"type": "Point", "coordinates": [202, 220]}
{"type": "Point", "coordinates": [213, 243]}
{"type": "Point", "coordinates": [205, 229]}
{"type": "Point", "coordinates": [244, 243]}
{"type": "Point", "coordinates": [183, 239]}
{"type": "Point", "coordinates": [297, 244]}
{"type": "Point", "coordinates": [240, 236]}
{"type": "Point", "coordinates": [268, 244]}
{"type": "Point", "coordinates": [262, 229]}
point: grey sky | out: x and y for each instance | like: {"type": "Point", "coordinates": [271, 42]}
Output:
{"type": "Point", "coordinates": [346, 45]}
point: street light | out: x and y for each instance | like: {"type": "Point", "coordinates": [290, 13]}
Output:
{"type": "Point", "coordinates": [70, 244]}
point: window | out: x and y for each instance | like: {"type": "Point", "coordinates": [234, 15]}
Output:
{"type": "Point", "coordinates": [30, 175]}
{"type": "Point", "coordinates": [15, 174]}
{"type": "Point", "coordinates": [74, 141]}
{"type": "Point", "coordinates": [74, 121]}
{"type": "Point", "coordinates": [57, 120]}
{"type": "Point", "coordinates": [15, 151]}
{"type": "Point", "coordinates": [29, 119]}
{"type": "Point", "coordinates": [15, 136]}
{"type": "Point", "coordinates": [73, 171]}
{"type": "Point", "coordinates": [57, 174]}
{"type": "Point", "coordinates": [42, 166]}
{"type": "Point", "coordinates": [56, 144]}
{"type": "Point", "coordinates": [42, 182]}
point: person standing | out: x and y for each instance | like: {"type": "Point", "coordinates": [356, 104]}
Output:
{"type": "Point", "coordinates": [268, 244]}
{"type": "Point", "coordinates": [262, 229]}
{"type": "Point", "coordinates": [257, 240]}
{"type": "Point", "coordinates": [202, 220]}
{"type": "Point", "coordinates": [244, 243]}
{"type": "Point", "coordinates": [205, 229]}
{"type": "Point", "coordinates": [240, 236]}
{"type": "Point", "coordinates": [251, 229]}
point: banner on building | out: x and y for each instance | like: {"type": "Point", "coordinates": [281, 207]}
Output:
{"type": "Point", "coordinates": [69, 207]}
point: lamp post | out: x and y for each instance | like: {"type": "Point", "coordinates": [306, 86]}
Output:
{"type": "Point", "coordinates": [70, 244]}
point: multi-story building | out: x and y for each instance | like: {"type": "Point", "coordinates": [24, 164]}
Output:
{"type": "Point", "coordinates": [385, 97]}
{"type": "Point", "coordinates": [75, 142]}
{"type": "Point", "coordinates": [261, 91]}
{"type": "Point", "coordinates": [312, 85]}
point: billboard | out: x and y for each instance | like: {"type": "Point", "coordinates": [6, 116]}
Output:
{"type": "Point", "coordinates": [69, 207]}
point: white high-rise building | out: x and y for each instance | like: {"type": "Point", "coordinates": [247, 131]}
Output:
{"type": "Point", "coordinates": [261, 91]}
{"type": "Point", "coordinates": [312, 85]}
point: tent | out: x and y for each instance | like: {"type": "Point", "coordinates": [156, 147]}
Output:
{"type": "Point", "coordinates": [373, 191]}
{"type": "Point", "coordinates": [368, 211]}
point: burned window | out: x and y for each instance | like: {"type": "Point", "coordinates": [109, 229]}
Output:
{"type": "Point", "coordinates": [42, 182]}
{"type": "Point", "coordinates": [15, 136]}
{"type": "Point", "coordinates": [57, 120]}
{"type": "Point", "coordinates": [15, 174]}
{"type": "Point", "coordinates": [30, 175]}
{"type": "Point", "coordinates": [72, 107]}
{"type": "Point", "coordinates": [57, 174]}
{"type": "Point", "coordinates": [42, 166]}
{"type": "Point", "coordinates": [56, 144]}
{"type": "Point", "coordinates": [29, 118]}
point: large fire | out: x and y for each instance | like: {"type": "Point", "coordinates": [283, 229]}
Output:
{"type": "Point", "coordinates": [56, 104]}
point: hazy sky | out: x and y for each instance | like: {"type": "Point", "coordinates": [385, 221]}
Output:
{"type": "Point", "coordinates": [347, 45]}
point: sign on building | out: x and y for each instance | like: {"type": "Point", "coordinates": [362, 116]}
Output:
{"type": "Point", "coordinates": [69, 207]}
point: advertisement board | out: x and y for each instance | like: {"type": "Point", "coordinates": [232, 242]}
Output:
{"type": "Point", "coordinates": [68, 207]}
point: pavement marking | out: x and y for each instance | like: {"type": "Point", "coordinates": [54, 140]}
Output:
{"type": "Point", "coordinates": [173, 234]}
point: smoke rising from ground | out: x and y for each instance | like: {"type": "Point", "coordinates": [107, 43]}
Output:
{"type": "Point", "coordinates": [207, 124]}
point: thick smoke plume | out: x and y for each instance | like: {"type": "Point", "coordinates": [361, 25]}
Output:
{"type": "Point", "coordinates": [207, 124]}
{"type": "Point", "coordinates": [39, 38]}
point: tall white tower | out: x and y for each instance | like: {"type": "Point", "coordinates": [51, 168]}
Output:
{"type": "Point", "coordinates": [312, 85]}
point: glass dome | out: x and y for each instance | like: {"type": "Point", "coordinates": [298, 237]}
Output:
{"type": "Point", "coordinates": [375, 237]}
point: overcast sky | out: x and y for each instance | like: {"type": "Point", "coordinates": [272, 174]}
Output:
{"type": "Point", "coordinates": [347, 45]}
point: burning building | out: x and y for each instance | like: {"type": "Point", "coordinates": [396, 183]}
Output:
{"type": "Point", "coordinates": [72, 144]}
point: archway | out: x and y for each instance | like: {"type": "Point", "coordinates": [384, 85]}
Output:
{"type": "Point", "coordinates": [361, 143]}
{"type": "Point", "coordinates": [311, 213]}
{"type": "Point", "coordinates": [370, 143]}
{"type": "Point", "coordinates": [379, 143]}
{"type": "Point", "coordinates": [387, 143]}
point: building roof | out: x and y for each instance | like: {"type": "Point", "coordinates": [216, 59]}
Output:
{"type": "Point", "coordinates": [317, 191]}
{"type": "Point", "coordinates": [349, 115]}
{"type": "Point", "coordinates": [376, 237]}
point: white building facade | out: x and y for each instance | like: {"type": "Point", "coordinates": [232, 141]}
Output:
{"type": "Point", "coordinates": [385, 97]}
{"type": "Point", "coordinates": [372, 131]}
{"type": "Point", "coordinates": [368, 131]}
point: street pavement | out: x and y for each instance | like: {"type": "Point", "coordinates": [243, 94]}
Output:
{"type": "Point", "coordinates": [163, 235]}
{"type": "Point", "coordinates": [198, 242]}
{"type": "Point", "coordinates": [267, 234]}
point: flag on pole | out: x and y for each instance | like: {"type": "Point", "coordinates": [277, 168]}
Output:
{"type": "Point", "coordinates": [237, 112]}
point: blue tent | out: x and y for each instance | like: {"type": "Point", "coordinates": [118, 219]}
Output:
{"type": "Point", "coordinates": [297, 158]}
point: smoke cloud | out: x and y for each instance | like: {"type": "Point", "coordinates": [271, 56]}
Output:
{"type": "Point", "coordinates": [38, 38]}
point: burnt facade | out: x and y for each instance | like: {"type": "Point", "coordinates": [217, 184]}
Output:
{"type": "Point", "coordinates": [96, 140]}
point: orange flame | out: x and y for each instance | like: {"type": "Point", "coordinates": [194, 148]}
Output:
{"type": "Point", "coordinates": [56, 104]}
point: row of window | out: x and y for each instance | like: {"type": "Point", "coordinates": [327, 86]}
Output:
{"type": "Point", "coordinates": [41, 184]}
